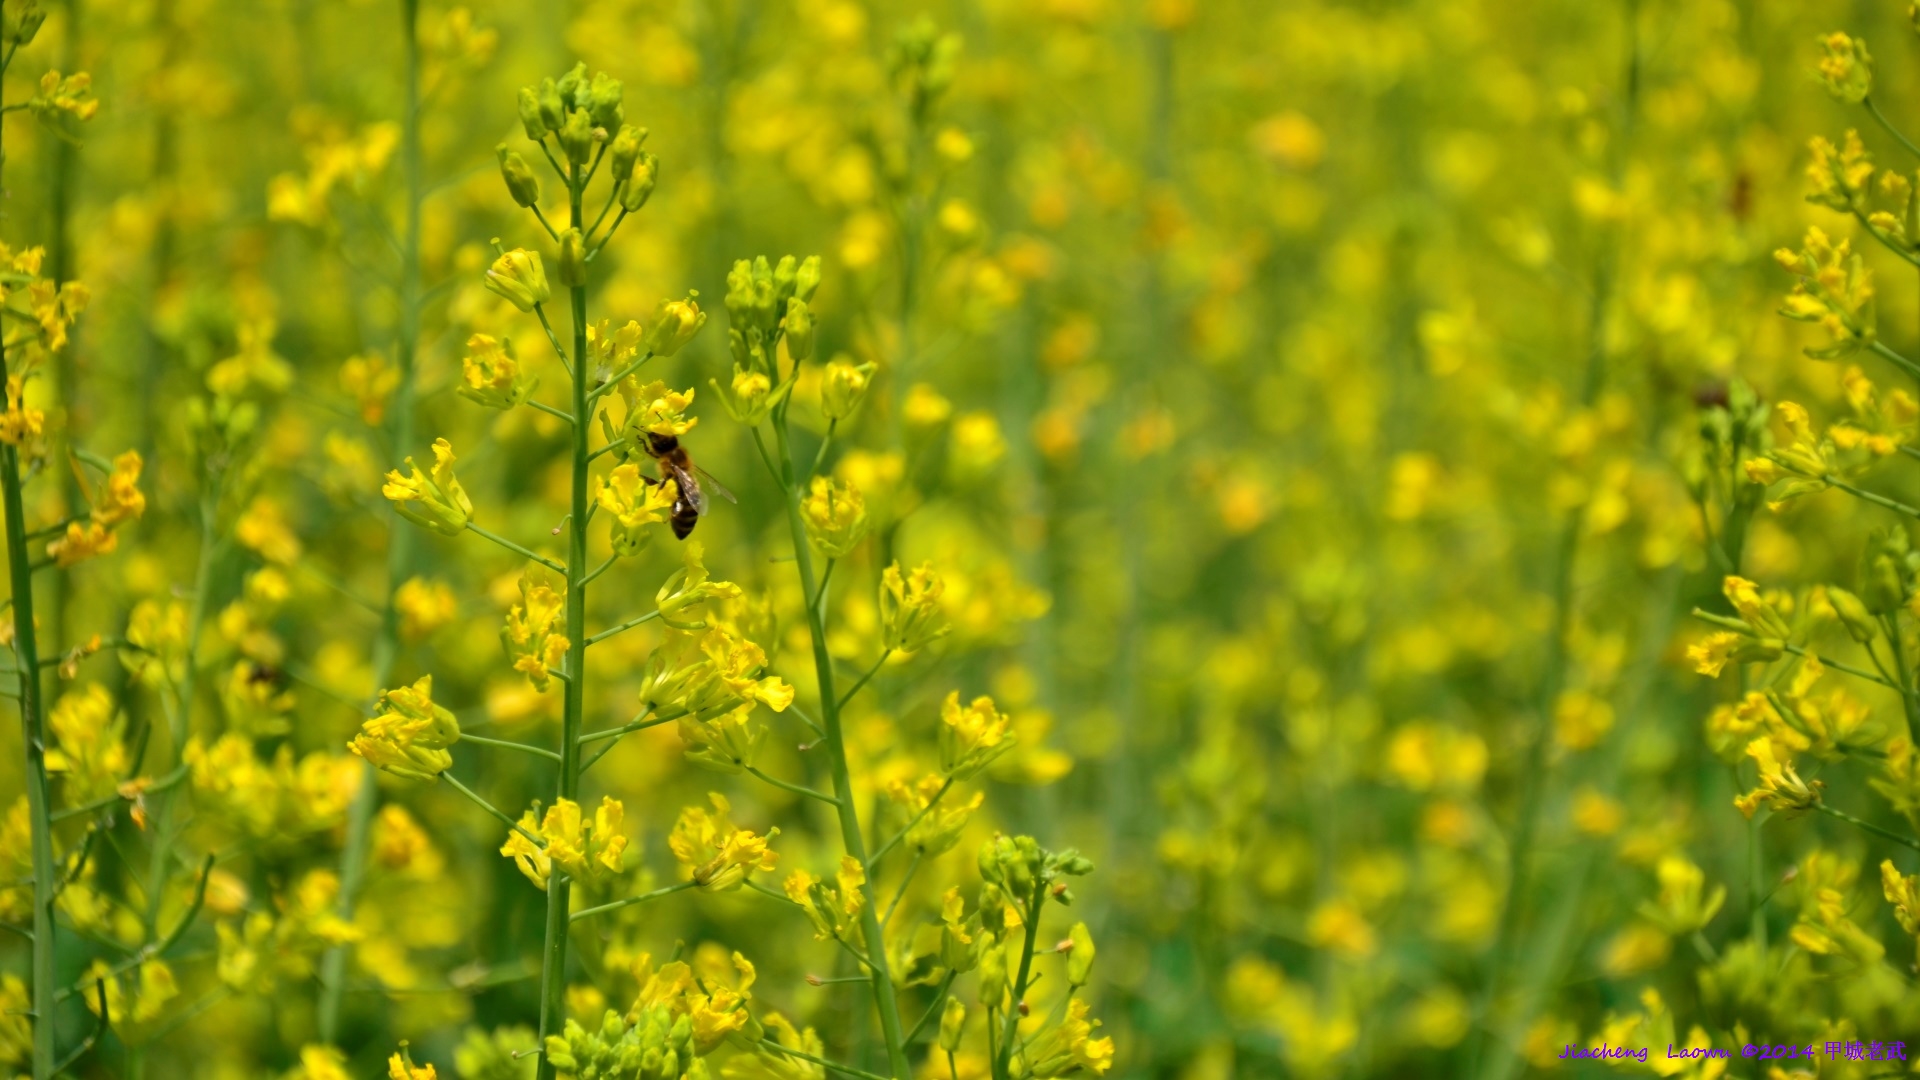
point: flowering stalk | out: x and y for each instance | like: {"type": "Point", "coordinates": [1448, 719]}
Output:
{"type": "Point", "coordinates": [26, 657]}
{"type": "Point", "coordinates": [400, 539]}
{"type": "Point", "coordinates": [852, 838]}
{"type": "Point", "coordinates": [33, 734]}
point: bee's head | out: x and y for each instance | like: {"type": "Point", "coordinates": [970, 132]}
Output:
{"type": "Point", "coordinates": [662, 444]}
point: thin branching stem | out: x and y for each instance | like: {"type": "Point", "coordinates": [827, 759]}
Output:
{"type": "Point", "coordinates": [656, 894]}
{"type": "Point", "coordinates": [881, 852]}
{"type": "Point", "coordinates": [491, 809]}
{"type": "Point", "coordinates": [1885, 834]}
{"type": "Point", "coordinates": [623, 627]}
{"type": "Point", "coordinates": [795, 788]}
{"type": "Point", "coordinates": [524, 748]}
{"type": "Point", "coordinates": [516, 548]}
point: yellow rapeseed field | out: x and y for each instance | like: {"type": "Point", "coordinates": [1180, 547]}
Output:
{"type": "Point", "coordinates": [960, 539]}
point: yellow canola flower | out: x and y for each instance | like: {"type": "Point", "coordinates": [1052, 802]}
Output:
{"type": "Point", "coordinates": [22, 426]}
{"type": "Point", "coordinates": [442, 504]}
{"type": "Point", "coordinates": [832, 909]}
{"type": "Point", "coordinates": [1846, 69]}
{"type": "Point", "coordinates": [750, 396]}
{"type": "Point", "coordinates": [369, 380]}
{"type": "Point", "coordinates": [654, 408]}
{"type": "Point", "coordinates": [532, 633]}
{"type": "Point", "coordinates": [519, 277]}
{"type": "Point", "coordinates": [586, 850]}
{"type": "Point", "coordinates": [411, 735]}
{"type": "Point", "coordinates": [971, 737]}
{"type": "Point", "coordinates": [842, 386]}
{"type": "Point", "coordinates": [132, 997]}
{"type": "Point", "coordinates": [691, 586]}
{"type": "Point", "coordinates": [1834, 292]}
{"type": "Point", "coordinates": [835, 517]}
{"type": "Point", "coordinates": [1781, 788]}
{"type": "Point", "coordinates": [491, 375]}
{"type": "Point", "coordinates": [1839, 177]}
{"type": "Point", "coordinates": [424, 605]}
{"type": "Point", "coordinates": [634, 502]}
{"type": "Point", "coordinates": [709, 673]}
{"type": "Point", "coordinates": [69, 94]}
{"type": "Point", "coordinates": [88, 752]}
{"type": "Point", "coordinates": [1069, 1047]}
{"type": "Point", "coordinates": [911, 617]}
{"type": "Point", "coordinates": [81, 541]}
{"type": "Point", "coordinates": [401, 1067]}
{"type": "Point", "coordinates": [613, 350]}
{"type": "Point", "coordinates": [716, 854]}
{"type": "Point", "coordinates": [934, 831]}
{"type": "Point", "coordinates": [676, 324]}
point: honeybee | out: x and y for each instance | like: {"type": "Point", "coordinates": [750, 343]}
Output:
{"type": "Point", "coordinates": [690, 500]}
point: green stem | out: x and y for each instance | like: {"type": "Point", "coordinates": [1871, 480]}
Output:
{"type": "Point", "coordinates": [623, 627]}
{"type": "Point", "coordinates": [851, 836]}
{"type": "Point", "coordinates": [550, 410]}
{"type": "Point", "coordinates": [1898, 639]}
{"type": "Point", "coordinates": [630, 901]}
{"type": "Point", "coordinates": [933, 1010]}
{"type": "Point", "coordinates": [1874, 111]}
{"type": "Point", "coordinates": [637, 725]}
{"type": "Point", "coordinates": [844, 1070]}
{"type": "Point", "coordinates": [503, 744]}
{"type": "Point", "coordinates": [1876, 830]}
{"type": "Point", "coordinates": [900, 892]}
{"type": "Point", "coordinates": [400, 537]}
{"type": "Point", "coordinates": [871, 672]}
{"type": "Point", "coordinates": [601, 569]}
{"type": "Point", "coordinates": [518, 550]}
{"type": "Point", "coordinates": [1896, 359]}
{"type": "Point", "coordinates": [553, 970]}
{"type": "Point", "coordinates": [613, 380]}
{"type": "Point", "coordinates": [33, 734]}
{"type": "Point", "coordinates": [795, 788]}
{"type": "Point", "coordinates": [1002, 1068]}
{"type": "Point", "coordinates": [881, 852]}
{"type": "Point", "coordinates": [483, 804]}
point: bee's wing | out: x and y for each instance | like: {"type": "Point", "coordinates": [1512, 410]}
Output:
{"type": "Point", "coordinates": [718, 488]}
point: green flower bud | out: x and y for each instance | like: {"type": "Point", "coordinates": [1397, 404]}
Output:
{"type": "Point", "coordinates": [993, 978]}
{"type": "Point", "coordinates": [799, 327]}
{"type": "Point", "coordinates": [1853, 614]}
{"type": "Point", "coordinates": [988, 863]}
{"type": "Point", "coordinates": [1079, 955]}
{"type": "Point", "coordinates": [639, 188]}
{"type": "Point", "coordinates": [783, 275]}
{"type": "Point", "coordinates": [577, 136]}
{"type": "Point", "coordinates": [624, 151]}
{"type": "Point", "coordinates": [571, 268]}
{"type": "Point", "coordinates": [559, 1055]}
{"type": "Point", "coordinates": [843, 385]}
{"type": "Point", "coordinates": [572, 87]}
{"type": "Point", "coordinates": [807, 278]}
{"type": "Point", "coordinates": [952, 1019]}
{"type": "Point", "coordinates": [1885, 574]}
{"type": "Point", "coordinates": [530, 114]}
{"type": "Point", "coordinates": [19, 21]}
{"type": "Point", "coordinates": [553, 110]}
{"type": "Point", "coordinates": [519, 276]}
{"type": "Point", "coordinates": [521, 183]}
{"type": "Point", "coordinates": [603, 100]}
{"type": "Point", "coordinates": [678, 321]}
{"type": "Point", "coordinates": [1846, 69]}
